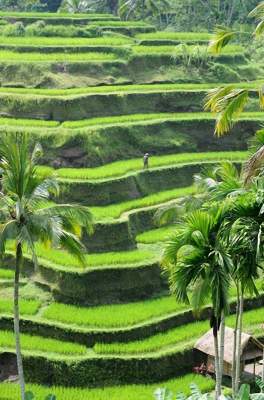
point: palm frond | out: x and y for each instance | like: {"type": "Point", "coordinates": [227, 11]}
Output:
{"type": "Point", "coordinates": [222, 36]}
{"type": "Point", "coordinates": [74, 246]}
{"type": "Point", "coordinates": [8, 231]}
{"type": "Point", "coordinates": [252, 167]}
{"type": "Point", "coordinates": [215, 96]}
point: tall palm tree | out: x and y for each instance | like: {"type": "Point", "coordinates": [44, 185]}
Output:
{"type": "Point", "coordinates": [228, 102]}
{"type": "Point", "coordinates": [75, 6]}
{"type": "Point", "coordinates": [130, 7]}
{"type": "Point", "coordinates": [199, 268]}
{"type": "Point", "coordinates": [27, 217]}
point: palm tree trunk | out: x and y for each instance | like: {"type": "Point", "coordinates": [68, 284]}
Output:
{"type": "Point", "coordinates": [262, 375]}
{"type": "Point", "coordinates": [235, 345]}
{"type": "Point", "coordinates": [19, 263]}
{"type": "Point", "coordinates": [217, 371]}
{"type": "Point", "coordinates": [239, 335]}
{"type": "Point", "coordinates": [222, 348]}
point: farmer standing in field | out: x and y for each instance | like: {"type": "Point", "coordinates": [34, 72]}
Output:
{"type": "Point", "coordinates": [146, 161]}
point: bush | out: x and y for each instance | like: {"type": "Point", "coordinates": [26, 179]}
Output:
{"type": "Point", "coordinates": [16, 29]}
{"type": "Point", "coordinates": [224, 73]}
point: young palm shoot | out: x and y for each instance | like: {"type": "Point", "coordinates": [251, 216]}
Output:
{"type": "Point", "coordinates": [27, 216]}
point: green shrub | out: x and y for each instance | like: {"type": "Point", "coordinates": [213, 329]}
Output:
{"type": "Point", "coordinates": [16, 29]}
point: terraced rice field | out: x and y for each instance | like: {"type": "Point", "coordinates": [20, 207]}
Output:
{"type": "Point", "coordinates": [96, 113]}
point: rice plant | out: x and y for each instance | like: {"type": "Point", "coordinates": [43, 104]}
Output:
{"type": "Point", "coordinates": [10, 391]}
{"type": "Point", "coordinates": [120, 168]}
{"type": "Point", "coordinates": [181, 337]}
{"type": "Point", "coordinates": [156, 235]}
{"type": "Point", "coordinates": [40, 344]}
{"type": "Point", "coordinates": [183, 36]}
{"type": "Point", "coordinates": [12, 56]}
{"type": "Point", "coordinates": [177, 50]}
{"type": "Point", "coordinates": [6, 274]}
{"type": "Point", "coordinates": [27, 307]}
{"type": "Point", "coordinates": [113, 316]}
{"type": "Point", "coordinates": [63, 41]}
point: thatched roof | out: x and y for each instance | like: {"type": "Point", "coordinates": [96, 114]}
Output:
{"type": "Point", "coordinates": [206, 344]}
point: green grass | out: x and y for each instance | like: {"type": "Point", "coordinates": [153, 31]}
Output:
{"type": "Point", "coordinates": [64, 259]}
{"type": "Point", "coordinates": [10, 391]}
{"type": "Point", "coordinates": [184, 36]}
{"type": "Point", "coordinates": [12, 56]}
{"type": "Point", "coordinates": [27, 307]}
{"type": "Point", "coordinates": [40, 344]}
{"type": "Point", "coordinates": [112, 316]}
{"type": "Point", "coordinates": [133, 24]}
{"type": "Point", "coordinates": [156, 235]}
{"type": "Point", "coordinates": [182, 336]}
{"type": "Point", "coordinates": [116, 210]}
{"type": "Point", "coordinates": [177, 50]}
{"type": "Point", "coordinates": [120, 168]}
{"type": "Point", "coordinates": [107, 89]}
{"type": "Point", "coordinates": [61, 41]}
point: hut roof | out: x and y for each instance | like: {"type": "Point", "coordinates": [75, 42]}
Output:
{"type": "Point", "coordinates": [206, 343]}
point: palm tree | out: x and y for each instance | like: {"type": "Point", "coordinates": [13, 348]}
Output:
{"type": "Point", "coordinates": [75, 6]}
{"type": "Point", "coordinates": [130, 7]}
{"type": "Point", "coordinates": [228, 102]}
{"type": "Point", "coordinates": [28, 217]}
{"type": "Point", "coordinates": [199, 267]}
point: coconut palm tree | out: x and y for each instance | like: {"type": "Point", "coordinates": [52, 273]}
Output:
{"type": "Point", "coordinates": [129, 7]}
{"type": "Point", "coordinates": [199, 266]}
{"type": "Point", "coordinates": [27, 217]}
{"type": "Point", "coordinates": [75, 6]}
{"type": "Point", "coordinates": [228, 102]}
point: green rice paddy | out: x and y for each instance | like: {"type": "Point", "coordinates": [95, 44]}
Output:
{"type": "Point", "coordinates": [133, 392]}
{"type": "Point", "coordinates": [183, 336]}
{"type": "Point", "coordinates": [116, 210]}
{"type": "Point", "coordinates": [6, 274]}
{"type": "Point", "coordinates": [40, 344]}
{"type": "Point", "coordinates": [42, 15]}
{"type": "Point", "coordinates": [156, 235]}
{"type": "Point", "coordinates": [112, 316]}
{"type": "Point", "coordinates": [183, 36]}
{"type": "Point", "coordinates": [121, 168]}
{"type": "Point", "coordinates": [109, 89]}
{"type": "Point", "coordinates": [27, 307]}
{"type": "Point", "coordinates": [13, 56]}
{"type": "Point", "coordinates": [38, 123]}
{"type": "Point", "coordinates": [61, 41]}
{"type": "Point", "coordinates": [177, 50]}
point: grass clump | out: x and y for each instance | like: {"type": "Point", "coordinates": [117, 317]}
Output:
{"type": "Point", "coordinates": [112, 316]}
{"type": "Point", "coordinates": [10, 391]}
{"type": "Point", "coordinates": [27, 307]}
{"type": "Point", "coordinates": [120, 168]}
{"type": "Point", "coordinates": [181, 337]}
{"type": "Point", "coordinates": [13, 56]}
{"type": "Point", "coordinates": [40, 344]}
{"type": "Point", "coordinates": [116, 210]}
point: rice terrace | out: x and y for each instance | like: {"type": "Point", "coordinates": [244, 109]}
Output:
{"type": "Point", "coordinates": [131, 199]}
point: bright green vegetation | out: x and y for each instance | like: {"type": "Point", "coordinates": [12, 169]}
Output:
{"type": "Point", "coordinates": [120, 168]}
{"type": "Point", "coordinates": [182, 336]}
{"type": "Point", "coordinates": [61, 41]}
{"type": "Point", "coordinates": [144, 118]}
{"type": "Point", "coordinates": [177, 50]}
{"type": "Point", "coordinates": [156, 235]}
{"type": "Point", "coordinates": [116, 210]}
{"type": "Point", "coordinates": [112, 316]}
{"type": "Point", "coordinates": [64, 259]}
{"type": "Point", "coordinates": [27, 307]}
{"type": "Point", "coordinates": [6, 274]}
{"type": "Point", "coordinates": [162, 87]}
{"type": "Point", "coordinates": [6, 56]}
{"type": "Point", "coordinates": [41, 15]}
{"type": "Point", "coordinates": [40, 344]}
{"type": "Point", "coordinates": [125, 24]}
{"type": "Point", "coordinates": [184, 36]}
{"type": "Point", "coordinates": [139, 392]}
{"type": "Point", "coordinates": [28, 122]}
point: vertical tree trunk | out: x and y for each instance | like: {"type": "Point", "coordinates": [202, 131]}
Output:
{"type": "Point", "coordinates": [235, 345]}
{"type": "Point", "coordinates": [217, 371]}
{"type": "Point", "coordinates": [262, 375]}
{"type": "Point", "coordinates": [239, 335]}
{"type": "Point", "coordinates": [19, 262]}
{"type": "Point", "coordinates": [222, 348]}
